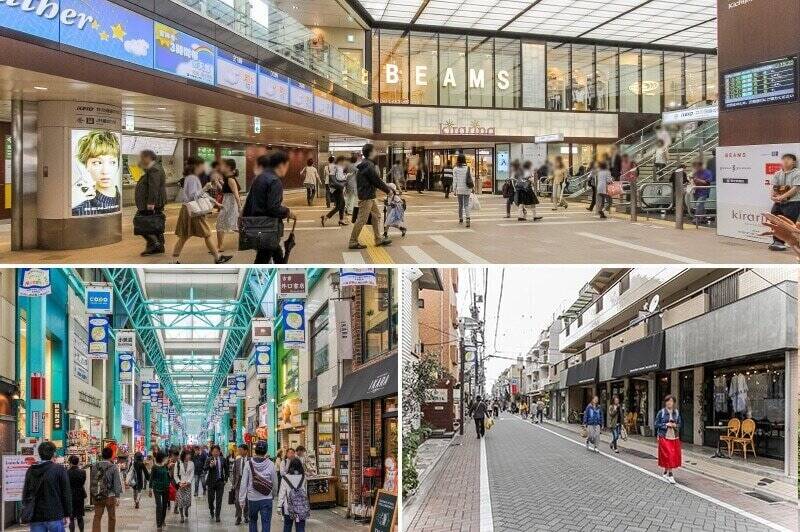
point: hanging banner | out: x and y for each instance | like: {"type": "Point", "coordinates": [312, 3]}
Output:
{"type": "Point", "coordinates": [262, 360]}
{"type": "Point", "coordinates": [262, 331]}
{"type": "Point", "coordinates": [294, 324]}
{"type": "Point", "coordinates": [292, 284]}
{"type": "Point", "coordinates": [357, 277]}
{"type": "Point", "coordinates": [34, 282]}
{"type": "Point", "coordinates": [126, 341]}
{"type": "Point", "coordinates": [344, 328]}
{"type": "Point", "coordinates": [99, 298]}
{"type": "Point", "coordinates": [146, 391]}
{"type": "Point", "coordinates": [98, 338]}
{"type": "Point", "coordinates": [241, 385]}
{"type": "Point", "coordinates": [125, 368]}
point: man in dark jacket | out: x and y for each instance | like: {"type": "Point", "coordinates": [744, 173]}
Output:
{"type": "Point", "coordinates": [47, 485]}
{"type": "Point", "coordinates": [216, 469]}
{"type": "Point", "coordinates": [478, 414]}
{"type": "Point", "coordinates": [367, 181]}
{"type": "Point", "coordinates": [265, 198]}
{"type": "Point", "coordinates": [151, 195]}
{"type": "Point", "coordinates": [199, 458]}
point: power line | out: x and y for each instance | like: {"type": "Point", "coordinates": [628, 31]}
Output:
{"type": "Point", "coordinates": [499, 299]}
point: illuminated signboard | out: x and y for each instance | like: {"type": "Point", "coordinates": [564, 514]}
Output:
{"type": "Point", "coordinates": [300, 96]}
{"type": "Point", "coordinates": [183, 55]}
{"type": "Point", "coordinates": [340, 112]}
{"type": "Point", "coordinates": [323, 105]}
{"type": "Point", "coordinates": [767, 83]}
{"type": "Point", "coordinates": [273, 86]}
{"type": "Point", "coordinates": [236, 73]}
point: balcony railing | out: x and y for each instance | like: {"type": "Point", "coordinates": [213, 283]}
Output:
{"type": "Point", "coordinates": [272, 28]}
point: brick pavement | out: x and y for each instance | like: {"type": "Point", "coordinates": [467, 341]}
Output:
{"type": "Point", "coordinates": [449, 497]}
{"type": "Point", "coordinates": [541, 482]}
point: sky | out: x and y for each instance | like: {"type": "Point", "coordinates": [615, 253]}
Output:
{"type": "Point", "coordinates": [530, 297]}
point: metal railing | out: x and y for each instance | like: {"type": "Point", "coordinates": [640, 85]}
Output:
{"type": "Point", "coordinates": [286, 37]}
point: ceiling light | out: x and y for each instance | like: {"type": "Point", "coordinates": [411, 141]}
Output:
{"type": "Point", "coordinates": [39, 88]}
{"type": "Point", "coordinates": [161, 108]}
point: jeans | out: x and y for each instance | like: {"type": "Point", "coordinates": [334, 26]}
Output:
{"type": "Point", "coordinates": [161, 499]}
{"type": "Point", "coordinates": [540, 416]}
{"type": "Point", "coordinates": [480, 428]}
{"type": "Point", "coordinates": [48, 526]}
{"type": "Point", "coordinates": [615, 432]}
{"type": "Point", "coordinates": [365, 208]}
{"type": "Point", "coordinates": [338, 204]}
{"type": "Point", "coordinates": [299, 526]}
{"type": "Point", "coordinates": [240, 510]}
{"type": "Point", "coordinates": [603, 203]}
{"type": "Point", "coordinates": [447, 189]}
{"type": "Point", "coordinates": [463, 206]}
{"type": "Point", "coordinates": [215, 494]}
{"type": "Point", "coordinates": [593, 194]}
{"type": "Point", "coordinates": [790, 209]}
{"type": "Point", "coordinates": [509, 203]}
{"type": "Point", "coordinates": [110, 504]}
{"type": "Point", "coordinates": [700, 209]}
{"type": "Point", "coordinates": [311, 191]}
{"type": "Point", "coordinates": [198, 480]}
{"type": "Point", "coordinates": [264, 507]}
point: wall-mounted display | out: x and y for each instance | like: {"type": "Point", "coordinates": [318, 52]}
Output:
{"type": "Point", "coordinates": [236, 73]}
{"type": "Point", "coordinates": [767, 83]}
{"type": "Point", "coordinates": [184, 55]}
{"type": "Point", "coordinates": [300, 96]}
{"type": "Point", "coordinates": [273, 86]}
{"type": "Point", "coordinates": [323, 105]}
{"type": "Point", "coordinates": [96, 172]}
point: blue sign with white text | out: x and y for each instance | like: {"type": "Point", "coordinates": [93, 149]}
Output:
{"type": "Point", "coordinates": [236, 73]}
{"type": "Point", "coordinates": [108, 29]}
{"type": "Point", "coordinates": [41, 21]}
{"type": "Point", "coordinates": [262, 359]}
{"type": "Point", "coordinates": [294, 324]}
{"type": "Point", "coordinates": [99, 300]}
{"type": "Point", "coordinates": [184, 55]}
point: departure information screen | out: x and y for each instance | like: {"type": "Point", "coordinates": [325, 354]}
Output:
{"type": "Point", "coordinates": [767, 83]}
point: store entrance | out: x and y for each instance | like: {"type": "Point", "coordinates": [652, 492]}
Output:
{"type": "Point", "coordinates": [686, 405]}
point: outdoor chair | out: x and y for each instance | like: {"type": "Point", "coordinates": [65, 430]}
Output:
{"type": "Point", "coordinates": [734, 425]}
{"type": "Point", "coordinates": [748, 431]}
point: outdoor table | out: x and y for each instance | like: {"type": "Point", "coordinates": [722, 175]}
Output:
{"type": "Point", "coordinates": [719, 428]}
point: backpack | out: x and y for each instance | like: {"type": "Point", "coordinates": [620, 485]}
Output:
{"type": "Point", "coordinates": [260, 484]}
{"type": "Point", "coordinates": [297, 506]}
{"type": "Point", "coordinates": [29, 504]}
{"type": "Point", "coordinates": [99, 488]}
{"type": "Point", "coordinates": [159, 478]}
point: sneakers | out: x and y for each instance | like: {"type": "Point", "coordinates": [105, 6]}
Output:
{"type": "Point", "coordinates": [357, 245]}
{"type": "Point", "coordinates": [671, 479]}
{"type": "Point", "coordinates": [665, 477]}
{"type": "Point", "coordinates": [537, 218]}
{"type": "Point", "coordinates": [775, 246]}
{"type": "Point", "coordinates": [460, 221]}
{"type": "Point", "coordinates": [385, 242]}
{"type": "Point", "coordinates": [467, 222]}
{"type": "Point", "coordinates": [223, 259]}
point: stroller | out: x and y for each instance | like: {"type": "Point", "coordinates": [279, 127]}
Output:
{"type": "Point", "coordinates": [394, 212]}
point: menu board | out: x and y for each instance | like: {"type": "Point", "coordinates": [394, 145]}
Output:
{"type": "Point", "coordinates": [273, 86]}
{"type": "Point", "coordinates": [384, 514]}
{"type": "Point", "coordinates": [300, 96]}
{"type": "Point", "coordinates": [15, 466]}
{"type": "Point", "coordinates": [236, 73]}
{"type": "Point", "coordinates": [767, 83]}
{"type": "Point", "coordinates": [183, 55]}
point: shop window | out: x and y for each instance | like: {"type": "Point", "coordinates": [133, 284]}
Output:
{"type": "Point", "coordinates": [379, 315]}
{"type": "Point", "coordinates": [673, 80]}
{"type": "Point", "coordinates": [507, 73]}
{"type": "Point", "coordinates": [651, 87]}
{"type": "Point", "coordinates": [533, 75]}
{"type": "Point", "coordinates": [629, 81]}
{"type": "Point", "coordinates": [318, 329]}
{"type": "Point", "coordinates": [480, 76]}
{"type": "Point", "coordinates": [694, 78]}
{"type": "Point", "coordinates": [711, 78]}
{"type": "Point", "coordinates": [558, 76]}
{"type": "Point", "coordinates": [583, 89]}
{"type": "Point", "coordinates": [393, 67]}
{"type": "Point", "coordinates": [376, 66]}
{"type": "Point", "coordinates": [452, 70]}
{"type": "Point", "coordinates": [607, 83]}
{"type": "Point", "coordinates": [424, 73]}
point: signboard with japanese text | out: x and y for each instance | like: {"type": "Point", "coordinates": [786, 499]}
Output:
{"type": "Point", "coordinates": [262, 331]}
{"type": "Point", "coordinates": [34, 282]}
{"type": "Point", "coordinates": [261, 357]}
{"type": "Point", "coordinates": [98, 338]}
{"type": "Point", "coordinates": [357, 277]}
{"type": "Point", "coordinates": [292, 284]}
{"type": "Point", "coordinates": [294, 324]}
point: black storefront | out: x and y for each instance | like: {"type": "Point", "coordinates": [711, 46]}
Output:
{"type": "Point", "coordinates": [631, 361]}
{"type": "Point", "coordinates": [583, 376]}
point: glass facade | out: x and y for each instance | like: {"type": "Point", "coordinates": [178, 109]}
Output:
{"type": "Point", "coordinates": [421, 68]}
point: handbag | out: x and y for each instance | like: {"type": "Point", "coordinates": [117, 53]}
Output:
{"type": "Point", "coordinates": [172, 492]}
{"type": "Point", "coordinates": [201, 206]}
{"type": "Point", "coordinates": [149, 223]}
{"type": "Point", "coordinates": [623, 433]}
{"type": "Point", "coordinates": [470, 183]}
{"type": "Point", "coordinates": [508, 189]}
{"type": "Point", "coordinates": [260, 232]}
{"type": "Point", "coordinates": [584, 433]}
{"type": "Point", "coordinates": [474, 203]}
{"type": "Point", "coordinates": [231, 496]}
{"type": "Point", "coordinates": [614, 189]}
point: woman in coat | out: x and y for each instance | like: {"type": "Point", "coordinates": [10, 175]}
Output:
{"type": "Point", "coordinates": [616, 415]}
{"type": "Point", "coordinates": [136, 477]}
{"type": "Point", "coordinates": [668, 428]}
{"type": "Point", "coordinates": [463, 185]}
{"type": "Point", "coordinates": [183, 474]}
{"type": "Point", "coordinates": [77, 483]}
{"type": "Point", "coordinates": [293, 489]}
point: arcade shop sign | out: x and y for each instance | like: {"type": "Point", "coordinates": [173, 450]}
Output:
{"type": "Point", "coordinates": [449, 127]}
{"type": "Point", "coordinates": [477, 77]}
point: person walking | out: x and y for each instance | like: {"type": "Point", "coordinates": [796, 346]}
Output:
{"type": "Point", "coordinates": [668, 426]}
{"type": "Point", "coordinates": [173, 459]}
{"type": "Point", "coordinates": [603, 197]}
{"type": "Point", "coordinates": [559, 180]}
{"type": "Point", "coordinates": [188, 225]}
{"type": "Point", "coordinates": [136, 477]}
{"type": "Point", "coordinates": [77, 484]}
{"type": "Point", "coordinates": [159, 487]}
{"type": "Point", "coordinates": [293, 498]}
{"type": "Point", "coordinates": [660, 159]}
{"type": "Point", "coordinates": [258, 486]}
{"type": "Point", "coordinates": [616, 415]}
{"type": "Point", "coordinates": [592, 183]}
{"type": "Point", "coordinates": [351, 189]}
{"type": "Point", "coordinates": [593, 423]}
{"type": "Point", "coordinates": [701, 179]}
{"type": "Point", "coordinates": [199, 458]}
{"type": "Point", "coordinates": [150, 197]}
{"type": "Point", "coordinates": [182, 475]}
{"type": "Point", "coordinates": [46, 493]}
{"type": "Point", "coordinates": [447, 179]}
{"type": "Point", "coordinates": [228, 219]}
{"type": "Point", "coordinates": [265, 199]}
{"type": "Point", "coordinates": [785, 195]}
{"type": "Point", "coordinates": [278, 464]}
{"type": "Point", "coordinates": [311, 181]}
{"type": "Point", "coordinates": [106, 488]}
{"type": "Point", "coordinates": [540, 411]}
{"type": "Point", "coordinates": [524, 194]}
{"type": "Point", "coordinates": [368, 181]}
{"type": "Point", "coordinates": [479, 415]}
{"type": "Point", "coordinates": [216, 468]}
{"type": "Point", "coordinates": [463, 185]}
{"type": "Point", "coordinates": [337, 184]}
{"type": "Point", "coordinates": [236, 479]}
{"type": "Point", "coordinates": [327, 172]}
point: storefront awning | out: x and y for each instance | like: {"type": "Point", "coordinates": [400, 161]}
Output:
{"type": "Point", "coordinates": [585, 373]}
{"type": "Point", "coordinates": [373, 382]}
{"type": "Point", "coordinates": [642, 356]}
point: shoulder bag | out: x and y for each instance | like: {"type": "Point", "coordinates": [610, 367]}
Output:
{"type": "Point", "coordinates": [149, 223]}
{"type": "Point", "coordinates": [470, 183]}
{"type": "Point", "coordinates": [201, 206]}
{"type": "Point", "coordinates": [260, 232]}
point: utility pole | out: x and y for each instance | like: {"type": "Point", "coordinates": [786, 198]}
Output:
{"type": "Point", "coordinates": [462, 354]}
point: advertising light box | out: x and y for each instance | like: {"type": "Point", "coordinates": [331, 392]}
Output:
{"type": "Point", "coordinates": [300, 96]}
{"type": "Point", "coordinates": [273, 86]}
{"type": "Point", "coordinates": [323, 105]}
{"type": "Point", "coordinates": [41, 22]}
{"type": "Point", "coordinates": [183, 55]}
{"type": "Point", "coordinates": [340, 112]}
{"type": "Point", "coordinates": [96, 172]}
{"type": "Point", "coordinates": [234, 72]}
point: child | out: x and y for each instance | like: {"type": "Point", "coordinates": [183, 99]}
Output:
{"type": "Point", "coordinates": [394, 211]}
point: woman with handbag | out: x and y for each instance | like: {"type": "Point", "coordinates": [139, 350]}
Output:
{"type": "Point", "coordinates": [616, 413]}
{"type": "Point", "coordinates": [228, 219]}
{"type": "Point", "coordinates": [463, 186]}
{"type": "Point", "coordinates": [183, 473]}
{"type": "Point", "coordinates": [136, 477]}
{"type": "Point", "coordinates": [593, 423]}
{"type": "Point", "coordinates": [604, 180]}
{"type": "Point", "coordinates": [668, 426]}
{"type": "Point", "coordinates": [197, 205]}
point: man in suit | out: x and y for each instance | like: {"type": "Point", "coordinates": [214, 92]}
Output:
{"type": "Point", "coordinates": [217, 475]}
{"type": "Point", "coordinates": [151, 196]}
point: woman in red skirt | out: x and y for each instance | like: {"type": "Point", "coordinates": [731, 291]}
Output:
{"type": "Point", "coordinates": [668, 426]}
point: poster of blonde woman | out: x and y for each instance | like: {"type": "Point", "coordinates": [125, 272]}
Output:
{"type": "Point", "coordinates": [96, 172]}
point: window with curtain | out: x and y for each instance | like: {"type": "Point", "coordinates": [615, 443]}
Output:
{"type": "Point", "coordinates": [673, 80]}
{"type": "Point", "coordinates": [533, 75]}
{"type": "Point", "coordinates": [607, 83]}
{"type": "Point", "coordinates": [651, 86]}
{"type": "Point", "coordinates": [629, 81]}
{"type": "Point", "coordinates": [480, 76]}
{"type": "Point", "coordinates": [507, 73]}
{"type": "Point", "coordinates": [452, 70]}
{"type": "Point", "coordinates": [318, 331]}
{"type": "Point", "coordinates": [558, 76]}
{"type": "Point", "coordinates": [379, 315]}
{"type": "Point", "coordinates": [424, 73]}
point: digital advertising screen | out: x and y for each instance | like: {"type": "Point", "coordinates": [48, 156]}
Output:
{"type": "Point", "coordinates": [300, 96]}
{"type": "Point", "coordinates": [767, 83]}
{"type": "Point", "coordinates": [340, 112]}
{"type": "Point", "coordinates": [42, 25]}
{"type": "Point", "coordinates": [234, 72]}
{"type": "Point", "coordinates": [96, 172]}
{"type": "Point", "coordinates": [323, 105]}
{"type": "Point", "coordinates": [183, 55]}
{"type": "Point", "coordinates": [273, 86]}
{"type": "Point", "coordinates": [109, 30]}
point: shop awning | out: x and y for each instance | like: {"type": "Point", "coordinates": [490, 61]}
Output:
{"type": "Point", "coordinates": [585, 373]}
{"type": "Point", "coordinates": [642, 356]}
{"type": "Point", "coordinates": [373, 382]}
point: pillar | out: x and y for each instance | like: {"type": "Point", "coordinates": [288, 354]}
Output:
{"type": "Point", "coordinates": [113, 397]}
{"type": "Point", "coordinates": [78, 206]}
{"type": "Point", "coordinates": [36, 314]}
{"type": "Point", "coordinates": [240, 410]}
{"type": "Point", "coordinates": [699, 375]}
{"type": "Point", "coordinates": [146, 412]}
{"type": "Point", "coordinates": [24, 172]}
{"type": "Point", "coordinates": [226, 430]}
{"type": "Point", "coordinates": [792, 381]}
{"type": "Point", "coordinates": [653, 402]}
